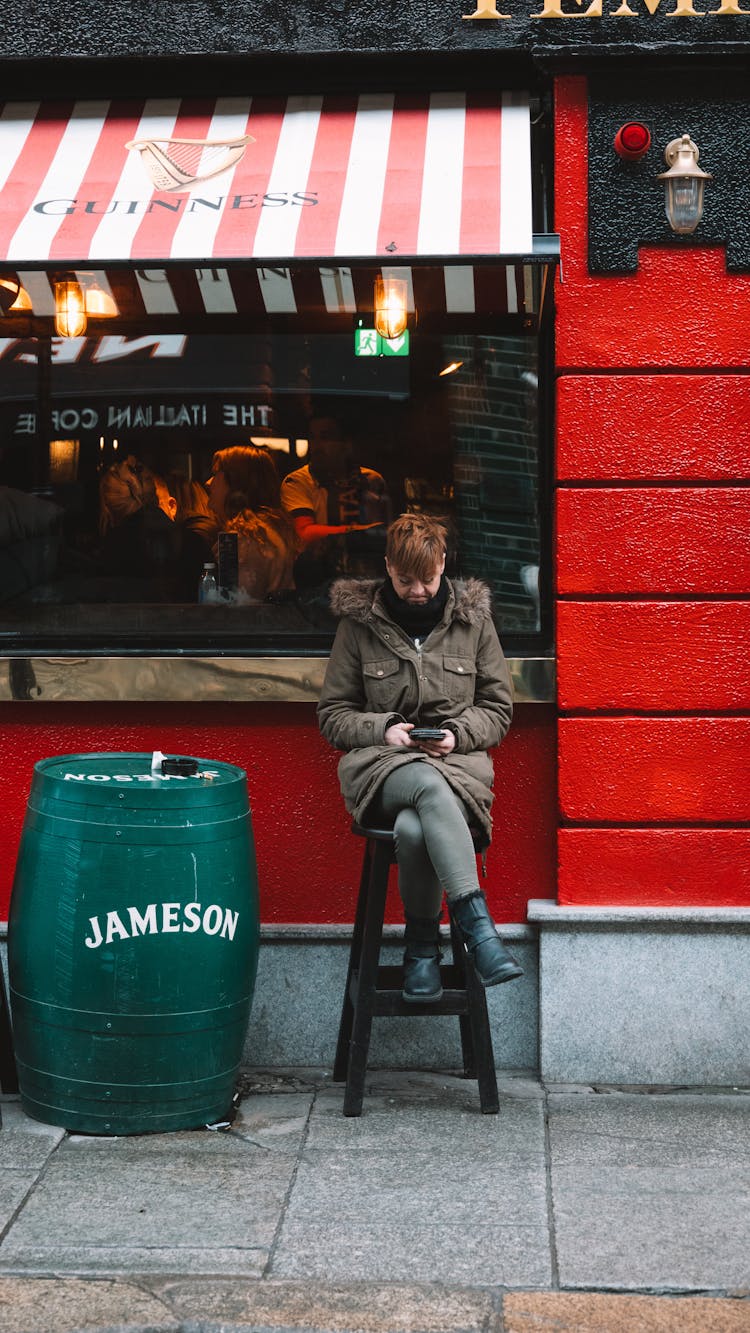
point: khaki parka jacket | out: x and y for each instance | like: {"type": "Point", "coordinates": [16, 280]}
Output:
{"type": "Point", "coordinates": [458, 678]}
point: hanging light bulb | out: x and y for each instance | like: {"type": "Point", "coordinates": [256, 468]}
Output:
{"type": "Point", "coordinates": [70, 309]}
{"type": "Point", "coordinates": [390, 306]}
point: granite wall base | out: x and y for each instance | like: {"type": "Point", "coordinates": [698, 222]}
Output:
{"type": "Point", "coordinates": [643, 996]}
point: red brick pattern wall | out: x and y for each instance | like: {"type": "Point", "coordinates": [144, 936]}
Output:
{"type": "Point", "coordinates": [652, 566]}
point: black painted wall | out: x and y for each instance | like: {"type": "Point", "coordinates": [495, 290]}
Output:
{"type": "Point", "coordinates": [626, 201]}
{"type": "Point", "coordinates": [41, 29]}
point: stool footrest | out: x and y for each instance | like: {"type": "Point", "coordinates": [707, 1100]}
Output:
{"type": "Point", "coordinates": [391, 1003]}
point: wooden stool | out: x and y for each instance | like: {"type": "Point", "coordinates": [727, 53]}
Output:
{"type": "Point", "coordinates": [372, 990]}
{"type": "Point", "coordinates": [8, 1075]}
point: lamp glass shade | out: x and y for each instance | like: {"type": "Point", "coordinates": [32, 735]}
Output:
{"type": "Point", "coordinates": [684, 202]}
{"type": "Point", "coordinates": [14, 299]}
{"type": "Point", "coordinates": [70, 310]}
{"type": "Point", "coordinates": [391, 296]}
{"type": "Point", "coordinates": [99, 304]}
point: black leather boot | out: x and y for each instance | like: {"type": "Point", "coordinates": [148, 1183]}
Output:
{"type": "Point", "coordinates": [422, 956]}
{"type": "Point", "coordinates": [492, 962]}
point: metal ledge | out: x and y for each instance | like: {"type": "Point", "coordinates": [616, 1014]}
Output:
{"type": "Point", "coordinates": [206, 679]}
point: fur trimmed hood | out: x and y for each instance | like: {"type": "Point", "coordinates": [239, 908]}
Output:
{"type": "Point", "coordinates": [357, 597]}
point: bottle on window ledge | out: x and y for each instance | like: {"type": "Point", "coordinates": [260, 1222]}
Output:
{"type": "Point", "coordinates": [208, 590]}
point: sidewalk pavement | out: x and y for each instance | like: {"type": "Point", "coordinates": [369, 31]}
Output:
{"type": "Point", "coordinates": [576, 1209]}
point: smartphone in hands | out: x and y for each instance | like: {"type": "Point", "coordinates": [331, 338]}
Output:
{"type": "Point", "coordinates": [426, 733]}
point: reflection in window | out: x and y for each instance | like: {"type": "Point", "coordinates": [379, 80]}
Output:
{"type": "Point", "coordinates": [105, 531]}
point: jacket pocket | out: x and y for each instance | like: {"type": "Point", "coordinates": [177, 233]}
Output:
{"type": "Point", "coordinates": [381, 686]}
{"type": "Point", "coordinates": [459, 674]}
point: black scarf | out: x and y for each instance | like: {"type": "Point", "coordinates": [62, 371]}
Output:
{"type": "Point", "coordinates": [416, 621]}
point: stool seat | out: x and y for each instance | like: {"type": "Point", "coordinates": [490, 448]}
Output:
{"type": "Point", "coordinates": [374, 991]}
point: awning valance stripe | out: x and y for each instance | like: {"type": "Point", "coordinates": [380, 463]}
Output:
{"type": "Point", "coordinates": [258, 291]}
{"type": "Point", "coordinates": [412, 175]}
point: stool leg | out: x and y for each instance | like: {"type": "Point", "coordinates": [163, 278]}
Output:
{"type": "Point", "coordinates": [341, 1060]}
{"type": "Point", "coordinates": [482, 1042]}
{"type": "Point", "coordinates": [367, 980]}
{"type": "Point", "coordinates": [464, 1022]}
{"type": "Point", "coordinates": [8, 1074]}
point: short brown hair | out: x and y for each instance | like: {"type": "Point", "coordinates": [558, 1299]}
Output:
{"type": "Point", "coordinates": [252, 478]}
{"type": "Point", "coordinates": [124, 488]}
{"type": "Point", "coordinates": [416, 544]}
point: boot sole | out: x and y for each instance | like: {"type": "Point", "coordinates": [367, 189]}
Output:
{"type": "Point", "coordinates": [508, 973]}
{"type": "Point", "coordinates": [422, 999]}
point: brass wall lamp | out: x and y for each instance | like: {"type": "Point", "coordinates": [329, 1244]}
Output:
{"type": "Point", "coordinates": [684, 185]}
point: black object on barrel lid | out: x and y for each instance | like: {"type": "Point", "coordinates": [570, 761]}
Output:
{"type": "Point", "coordinates": [182, 768]}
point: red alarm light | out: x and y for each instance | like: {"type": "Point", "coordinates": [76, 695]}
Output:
{"type": "Point", "coordinates": [633, 140]}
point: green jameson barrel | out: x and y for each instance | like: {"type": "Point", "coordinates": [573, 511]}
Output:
{"type": "Point", "coordinates": [133, 943]}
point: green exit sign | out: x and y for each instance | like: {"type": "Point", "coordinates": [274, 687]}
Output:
{"type": "Point", "coordinates": [368, 342]}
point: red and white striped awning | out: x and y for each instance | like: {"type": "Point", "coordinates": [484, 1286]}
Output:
{"type": "Point", "coordinates": [398, 177]}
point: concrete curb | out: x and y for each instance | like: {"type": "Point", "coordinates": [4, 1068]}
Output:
{"type": "Point", "coordinates": [48, 1305]}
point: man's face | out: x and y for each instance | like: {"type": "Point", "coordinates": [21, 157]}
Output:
{"type": "Point", "coordinates": [413, 590]}
{"type": "Point", "coordinates": [218, 490]}
{"type": "Point", "coordinates": [330, 451]}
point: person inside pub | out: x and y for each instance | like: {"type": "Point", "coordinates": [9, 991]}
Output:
{"type": "Point", "coordinates": [339, 508]}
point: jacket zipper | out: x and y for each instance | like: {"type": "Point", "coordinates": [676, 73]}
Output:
{"type": "Point", "coordinates": [418, 649]}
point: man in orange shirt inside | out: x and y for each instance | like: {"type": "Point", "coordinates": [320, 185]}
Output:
{"type": "Point", "coordinates": [340, 510]}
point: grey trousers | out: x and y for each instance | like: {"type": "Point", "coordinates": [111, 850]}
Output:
{"type": "Point", "coordinates": [434, 848]}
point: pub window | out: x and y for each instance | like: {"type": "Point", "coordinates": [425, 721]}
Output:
{"type": "Point", "coordinates": [108, 441]}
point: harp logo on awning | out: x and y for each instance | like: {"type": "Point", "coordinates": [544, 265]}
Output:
{"type": "Point", "coordinates": [176, 164]}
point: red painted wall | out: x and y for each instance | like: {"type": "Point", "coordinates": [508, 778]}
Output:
{"type": "Point", "coordinates": [308, 862]}
{"type": "Point", "coordinates": [652, 564]}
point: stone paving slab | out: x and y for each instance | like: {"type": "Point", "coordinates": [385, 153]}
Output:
{"type": "Point", "coordinates": [25, 1144]}
{"type": "Point", "coordinates": [651, 1192]}
{"type": "Point", "coordinates": [545, 1312]}
{"type": "Point", "coordinates": [665, 1130]}
{"type": "Point", "coordinates": [315, 1307]}
{"type": "Point", "coordinates": [179, 1214]}
{"type": "Point", "coordinates": [417, 1188]}
{"type": "Point", "coordinates": [497, 1255]}
{"type": "Point", "coordinates": [14, 1187]}
{"type": "Point", "coordinates": [410, 1124]}
{"type": "Point", "coordinates": [64, 1305]}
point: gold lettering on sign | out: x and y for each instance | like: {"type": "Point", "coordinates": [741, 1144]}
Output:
{"type": "Point", "coordinates": [552, 10]}
{"type": "Point", "coordinates": [728, 7]}
{"type": "Point", "coordinates": [487, 11]}
{"type": "Point", "coordinates": [682, 9]}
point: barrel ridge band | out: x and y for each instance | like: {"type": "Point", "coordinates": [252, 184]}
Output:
{"type": "Point", "coordinates": [96, 1020]}
{"type": "Point", "coordinates": [87, 830]}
